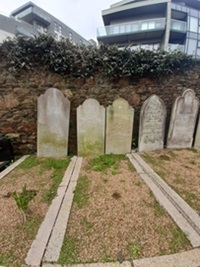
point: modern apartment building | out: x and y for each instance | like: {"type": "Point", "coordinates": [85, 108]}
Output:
{"type": "Point", "coordinates": [153, 24]}
{"type": "Point", "coordinates": [30, 19]}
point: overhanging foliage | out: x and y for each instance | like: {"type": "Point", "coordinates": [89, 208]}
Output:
{"type": "Point", "coordinates": [29, 53]}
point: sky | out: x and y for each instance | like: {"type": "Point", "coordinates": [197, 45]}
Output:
{"type": "Point", "coordinates": [83, 16]}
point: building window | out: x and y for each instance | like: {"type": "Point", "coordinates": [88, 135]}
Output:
{"type": "Point", "coordinates": [70, 36]}
{"type": "Point", "coordinates": [55, 27]}
{"type": "Point", "coordinates": [193, 24]}
{"type": "Point", "coordinates": [81, 41]}
{"type": "Point", "coordinates": [60, 29]}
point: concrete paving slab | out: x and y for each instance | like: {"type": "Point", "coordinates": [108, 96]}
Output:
{"type": "Point", "coordinates": [12, 167]}
{"type": "Point", "coordinates": [184, 259]}
{"type": "Point", "coordinates": [110, 264]}
{"type": "Point", "coordinates": [36, 252]}
{"type": "Point", "coordinates": [56, 240]}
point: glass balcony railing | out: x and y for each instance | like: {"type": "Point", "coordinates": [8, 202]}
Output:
{"type": "Point", "coordinates": [178, 25]}
{"type": "Point", "coordinates": [132, 27]}
{"type": "Point", "coordinates": [178, 47]}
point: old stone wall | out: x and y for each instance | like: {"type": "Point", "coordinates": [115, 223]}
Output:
{"type": "Point", "coordinates": [18, 99]}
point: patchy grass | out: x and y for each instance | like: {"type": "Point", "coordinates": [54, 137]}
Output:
{"type": "Point", "coordinates": [181, 172]}
{"type": "Point", "coordinates": [192, 149]}
{"type": "Point", "coordinates": [104, 162]}
{"type": "Point", "coordinates": [81, 192]}
{"type": "Point", "coordinates": [58, 166]}
{"type": "Point", "coordinates": [29, 163]}
{"type": "Point", "coordinates": [108, 221]}
{"type": "Point", "coordinates": [178, 240]}
{"type": "Point", "coordinates": [42, 177]}
{"type": "Point", "coordinates": [68, 253]}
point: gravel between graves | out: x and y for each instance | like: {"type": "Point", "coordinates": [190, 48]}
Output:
{"type": "Point", "coordinates": [121, 220]}
{"type": "Point", "coordinates": [15, 239]}
{"type": "Point", "coordinates": [180, 169]}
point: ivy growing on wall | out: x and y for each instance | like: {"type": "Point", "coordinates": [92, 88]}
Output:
{"type": "Point", "coordinates": [28, 53]}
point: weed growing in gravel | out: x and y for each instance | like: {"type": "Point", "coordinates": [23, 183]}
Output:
{"type": "Point", "coordinates": [81, 192]}
{"type": "Point", "coordinates": [57, 165]}
{"type": "Point", "coordinates": [104, 162]}
{"type": "Point", "coordinates": [178, 181]}
{"type": "Point", "coordinates": [134, 249]}
{"type": "Point", "coordinates": [22, 200]}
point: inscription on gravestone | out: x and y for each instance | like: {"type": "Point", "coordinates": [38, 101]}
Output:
{"type": "Point", "coordinates": [119, 127]}
{"type": "Point", "coordinates": [152, 124]}
{"type": "Point", "coordinates": [183, 120]}
{"type": "Point", "coordinates": [53, 124]}
{"type": "Point", "coordinates": [90, 128]}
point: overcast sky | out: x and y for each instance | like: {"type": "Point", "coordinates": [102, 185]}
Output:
{"type": "Point", "coordinates": [83, 16]}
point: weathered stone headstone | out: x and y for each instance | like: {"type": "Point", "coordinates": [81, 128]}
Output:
{"type": "Point", "coordinates": [152, 124]}
{"type": "Point", "coordinates": [53, 124]}
{"type": "Point", "coordinates": [90, 128]}
{"type": "Point", "coordinates": [183, 120]}
{"type": "Point", "coordinates": [197, 137]}
{"type": "Point", "coordinates": [119, 127]}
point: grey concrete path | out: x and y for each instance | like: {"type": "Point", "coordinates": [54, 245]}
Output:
{"type": "Point", "coordinates": [183, 215]}
{"type": "Point", "coordinates": [57, 213]}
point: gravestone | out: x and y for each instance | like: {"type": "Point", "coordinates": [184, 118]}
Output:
{"type": "Point", "coordinates": [183, 120]}
{"type": "Point", "coordinates": [152, 124]}
{"type": "Point", "coordinates": [119, 127]}
{"type": "Point", "coordinates": [53, 124]}
{"type": "Point", "coordinates": [197, 137]}
{"type": "Point", "coordinates": [90, 128]}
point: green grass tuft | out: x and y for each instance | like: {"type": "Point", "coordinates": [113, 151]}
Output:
{"type": "Point", "coordinates": [81, 192]}
{"type": "Point", "coordinates": [104, 162]}
{"type": "Point", "coordinates": [29, 163]}
{"type": "Point", "coordinates": [58, 166]}
{"type": "Point", "coordinates": [68, 254]}
{"type": "Point", "coordinates": [178, 241]}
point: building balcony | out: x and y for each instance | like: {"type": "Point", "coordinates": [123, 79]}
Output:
{"type": "Point", "coordinates": [133, 31]}
{"type": "Point", "coordinates": [178, 30]}
{"type": "Point", "coordinates": [31, 14]}
{"type": "Point", "coordinates": [176, 47]}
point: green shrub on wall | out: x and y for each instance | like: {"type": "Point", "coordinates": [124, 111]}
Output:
{"type": "Point", "coordinates": [28, 53]}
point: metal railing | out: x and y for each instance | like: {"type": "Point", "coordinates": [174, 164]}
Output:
{"type": "Point", "coordinates": [178, 25]}
{"type": "Point", "coordinates": [132, 27]}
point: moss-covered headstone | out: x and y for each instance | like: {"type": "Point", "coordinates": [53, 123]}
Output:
{"type": "Point", "coordinates": [119, 127]}
{"type": "Point", "coordinates": [90, 128]}
{"type": "Point", "coordinates": [53, 124]}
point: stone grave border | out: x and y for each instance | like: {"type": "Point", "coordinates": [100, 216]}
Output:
{"type": "Point", "coordinates": [46, 247]}
{"type": "Point", "coordinates": [12, 167]}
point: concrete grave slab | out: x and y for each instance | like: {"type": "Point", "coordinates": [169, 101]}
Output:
{"type": "Point", "coordinates": [53, 124]}
{"type": "Point", "coordinates": [183, 120]}
{"type": "Point", "coordinates": [119, 127]}
{"type": "Point", "coordinates": [90, 128]}
{"type": "Point", "coordinates": [152, 124]}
